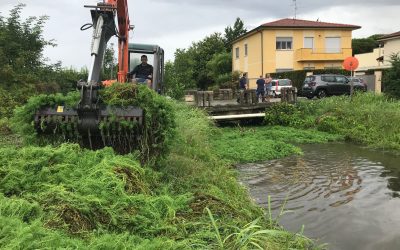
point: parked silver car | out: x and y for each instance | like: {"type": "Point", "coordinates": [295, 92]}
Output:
{"type": "Point", "coordinates": [278, 84]}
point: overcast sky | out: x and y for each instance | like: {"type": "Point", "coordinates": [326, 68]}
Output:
{"type": "Point", "coordinates": [176, 24]}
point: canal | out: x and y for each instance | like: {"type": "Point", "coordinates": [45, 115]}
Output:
{"type": "Point", "coordinates": [345, 195]}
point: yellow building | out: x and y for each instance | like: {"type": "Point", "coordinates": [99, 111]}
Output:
{"type": "Point", "coordinates": [291, 44]}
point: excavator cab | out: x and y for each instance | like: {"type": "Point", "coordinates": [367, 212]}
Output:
{"type": "Point", "coordinates": [155, 55]}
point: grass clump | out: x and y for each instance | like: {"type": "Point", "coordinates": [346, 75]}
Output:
{"type": "Point", "coordinates": [367, 118]}
{"type": "Point", "coordinates": [253, 144]}
{"type": "Point", "coordinates": [158, 128]}
{"type": "Point", "coordinates": [79, 193]}
{"type": "Point", "coordinates": [159, 118]}
{"type": "Point", "coordinates": [22, 121]}
{"type": "Point", "coordinates": [7, 137]}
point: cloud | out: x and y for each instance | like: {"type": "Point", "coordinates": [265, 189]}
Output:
{"type": "Point", "coordinates": [176, 24]}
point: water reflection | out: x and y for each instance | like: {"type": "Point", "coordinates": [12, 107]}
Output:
{"type": "Point", "coordinates": [341, 192]}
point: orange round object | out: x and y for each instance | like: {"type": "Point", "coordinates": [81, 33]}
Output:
{"type": "Point", "coordinates": [108, 83]}
{"type": "Point", "coordinates": [350, 63]}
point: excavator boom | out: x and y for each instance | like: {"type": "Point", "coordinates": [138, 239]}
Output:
{"type": "Point", "coordinates": [123, 37]}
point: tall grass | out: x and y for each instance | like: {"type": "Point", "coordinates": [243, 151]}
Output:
{"type": "Point", "coordinates": [368, 118]}
{"type": "Point", "coordinates": [68, 197]}
{"type": "Point", "coordinates": [255, 236]}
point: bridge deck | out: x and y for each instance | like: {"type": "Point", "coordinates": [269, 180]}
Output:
{"type": "Point", "coordinates": [236, 117]}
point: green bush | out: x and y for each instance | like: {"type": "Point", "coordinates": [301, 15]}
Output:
{"type": "Point", "coordinates": [5, 126]}
{"type": "Point", "coordinates": [328, 123]}
{"type": "Point", "coordinates": [8, 103]}
{"type": "Point", "coordinates": [391, 78]}
{"type": "Point", "coordinates": [366, 118]}
{"type": "Point", "coordinates": [283, 114]}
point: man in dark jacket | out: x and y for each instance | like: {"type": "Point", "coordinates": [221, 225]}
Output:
{"type": "Point", "coordinates": [260, 88]}
{"type": "Point", "coordinates": [143, 72]}
{"type": "Point", "coordinates": [243, 85]}
{"type": "Point", "coordinates": [243, 82]}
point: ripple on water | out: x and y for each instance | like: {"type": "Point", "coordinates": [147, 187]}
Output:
{"type": "Point", "coordinates": [333, 189]}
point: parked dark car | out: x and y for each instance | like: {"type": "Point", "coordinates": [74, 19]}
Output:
{"type": "Point", "coordinates": [359, 81]}
{"type": "Point", "coordinates": [326, 85]}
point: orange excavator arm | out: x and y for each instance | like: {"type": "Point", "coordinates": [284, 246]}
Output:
{"type": "Point", "coordinates": [123, 37]}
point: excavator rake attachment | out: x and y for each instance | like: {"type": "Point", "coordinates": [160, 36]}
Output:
{"type": "Point", "coordinates": [91, 124]}
{"type": "Point", "coordinates": [119, 128]}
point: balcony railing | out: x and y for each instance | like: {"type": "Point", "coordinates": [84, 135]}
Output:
{"type": "Point", "coordinates": [322, 54]}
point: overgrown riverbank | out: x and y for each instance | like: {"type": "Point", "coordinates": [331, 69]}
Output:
{"type": "Point", "coordinates": [368, 119]}
{"type": "Point", "coordinates": [65, 196]}
{"type": "Point", "coordinates": [252, 144]}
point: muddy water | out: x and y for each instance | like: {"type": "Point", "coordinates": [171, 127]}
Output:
{"type": "Point", "coordinates": [344, 195]}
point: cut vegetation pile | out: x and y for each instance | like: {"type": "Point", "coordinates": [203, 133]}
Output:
{"type": "Point", "coordinates": [66, 197]}
{"type": "Point", "coordinates": [159, 118]}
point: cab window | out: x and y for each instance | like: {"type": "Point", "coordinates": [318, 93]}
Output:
{"type": "Point", "coordinates": [134, 59]}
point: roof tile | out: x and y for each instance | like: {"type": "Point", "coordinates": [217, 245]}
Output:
{"type": "Point", "coordinates": [396, 34]}
{"type": "Point", "coordinates": [298, 23]}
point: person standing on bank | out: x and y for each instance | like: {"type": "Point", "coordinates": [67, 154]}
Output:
{"type": "Point", "coordinates": [143, 72]}
{"type": "Point", "coordinates": [260, 89]}
{"type": "Point", "coordinates": [243, 85]}
{"type": "Point", "coordinates": [243, 82]}
{"type": "Point", "coordinates": [268, 86]}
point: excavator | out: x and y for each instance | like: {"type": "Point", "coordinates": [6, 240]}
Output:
{"type": "Point", "coordinates": [109, 18]}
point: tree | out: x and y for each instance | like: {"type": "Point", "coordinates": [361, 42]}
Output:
{"type": "Point", "coordinates": [231, 33]}
{"type": "Point", "coordinates": [391, 78]}
{"type": "Point", "coordinates": [205, 63]}
{"type": "Point", "coordinates": [191, 64]}
{"type": "Point", "coordinates": [174, 86]}
{"type": "Point", "coordinates": [219, 68]}
{"type": "Point", "coordinates": [203, 53]}
{"type": "Point", "coordinates": [109, 63]}
{"type": "Point", "coordinates": [21, 46]}
{"type": "Point", "coordinates": [23, 69]}
{"type": "Point", "coordinates": [184, 67]}
{"type": "Point", "coordinates": [365, 45]}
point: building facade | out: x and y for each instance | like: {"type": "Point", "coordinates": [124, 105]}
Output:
{"type": "Point", "coordinates": [370, 60]}
{"type": "Point", "coordinates": [391, 46]}
{"type": "Point", "coordinates": [291, 44]}
{"type": "Point", "coordinates": [380, 57]}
